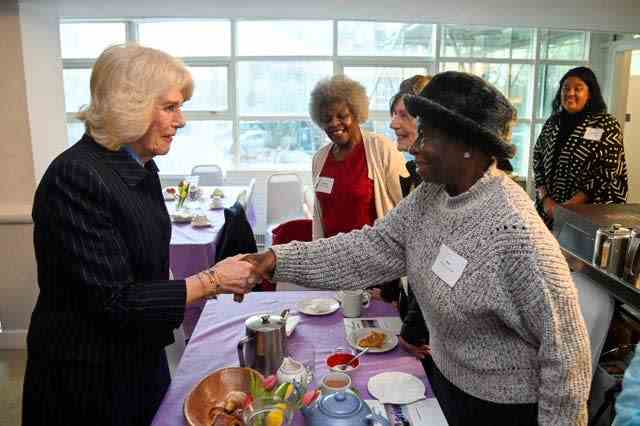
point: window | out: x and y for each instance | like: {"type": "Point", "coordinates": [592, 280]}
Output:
{"type": "Point", "coordinates": [385, 39]}
{"type": "Point", "coordinates": [87, 40]}
{"type": "Point", "coordinates": [253, 77]}
{"type": "Point", "coordinates": [188, 38]}
{"type": "Point", "coordinates": [285, 38]}
{"type": "Point", "coordinates": [487, 42]}
{"type": "Point", "coordinates": [277, 88]}
{"type": "Point", "coordinates": [381, 82]}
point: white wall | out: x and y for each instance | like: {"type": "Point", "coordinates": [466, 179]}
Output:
{"type": "Point", "coordinates": [17, 183]}
{"type": "Point", "coordinates": [632, 139]}
{"type": "Point", "coordinates": [40, 28]}
{"type": "Point", "coordinates": [611, 15]}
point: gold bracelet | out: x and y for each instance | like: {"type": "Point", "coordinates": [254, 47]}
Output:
{"type": "Point", "coordinates": [213, 282]}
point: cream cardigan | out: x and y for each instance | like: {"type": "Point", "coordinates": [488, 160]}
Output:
{"type": "Point", "coordinates": [385, 165]}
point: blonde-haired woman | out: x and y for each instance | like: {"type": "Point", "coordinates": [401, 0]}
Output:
{"type": "Point", "coordinates": [356, 176]}
{"type": "Point", "coordinates": [107, 307]}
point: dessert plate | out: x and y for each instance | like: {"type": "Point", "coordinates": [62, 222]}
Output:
{"type": "Point", "coordinates": [390, 339]}
{"type": "Point", "coordinates": [318, 306]}
{"type": "Point", "coordinates": [394, 387]}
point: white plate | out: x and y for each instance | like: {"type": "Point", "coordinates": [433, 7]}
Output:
{"type": "Point", "coordinates": [178, 218]}
{"type": "Point", "coordinates": [200, 225]}
{"type": "Point", "coordinates": [394, 387]}
{"type": "Point", "coordinates": [318, 306]}
{"type": "Point", "coordinates": [390, 342]}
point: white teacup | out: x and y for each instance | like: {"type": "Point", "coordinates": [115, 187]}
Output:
{"type": "Point", "coordinates": [335, 382]}
{"type": "Point", "coordinates": [216, 202]}
{"type": "Point", "coordinates": [353, 301]}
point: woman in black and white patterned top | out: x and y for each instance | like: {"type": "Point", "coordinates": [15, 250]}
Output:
{"type": "Point", "coordinates": [579, 157]}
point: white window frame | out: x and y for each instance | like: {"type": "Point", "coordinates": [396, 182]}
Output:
{"type": "Point", "coordinates": [232, 62]}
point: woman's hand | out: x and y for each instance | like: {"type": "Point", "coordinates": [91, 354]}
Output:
{"type": "Point", "coordinates": [419, 351]}
{"type": "Point", "coordinates": [235, 275]}
{"type": "Point", "coordinates": [264, 263]}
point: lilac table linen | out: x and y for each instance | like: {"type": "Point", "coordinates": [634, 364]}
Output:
{"type": "Point", "coordinates": [194, 249]}
{"type": "Point", "coordinates": [221, 326]}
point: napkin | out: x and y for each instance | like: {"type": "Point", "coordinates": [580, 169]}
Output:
{"type": "Point", "coordinates": [292, 322]}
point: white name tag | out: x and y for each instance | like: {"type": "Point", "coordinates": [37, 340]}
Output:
{"type": "Point", "coordinates": [324, 184]}
{"type": "Point", "coordinates": [593, 133]}
{"type": "Point", "coordinates": [449, 265]}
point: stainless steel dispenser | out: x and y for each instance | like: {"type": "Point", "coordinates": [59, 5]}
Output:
{"type": "Point", "coordinates": [610, 249]}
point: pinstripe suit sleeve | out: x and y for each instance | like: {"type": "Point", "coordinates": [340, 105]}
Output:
{"type": "Point", "coordinates": [79, 205]}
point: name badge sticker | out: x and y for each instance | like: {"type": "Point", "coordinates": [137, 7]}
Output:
{"type": "Point", "coordinates": [324, 185]}
{"type": "Point", "coordinates": [449, 265]}
{"type": "Point", "coordinates": [593, 133]}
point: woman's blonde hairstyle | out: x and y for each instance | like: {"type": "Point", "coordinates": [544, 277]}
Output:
{"type": "Point", "coordinates": [338, 88]}
{"type": "Point", "coordinates": [126, 81]}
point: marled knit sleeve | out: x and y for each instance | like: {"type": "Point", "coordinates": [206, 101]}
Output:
{"type": "Point", "coordinates": [358, 259]}
{"type": "Point", "coordinates": [540, 285]}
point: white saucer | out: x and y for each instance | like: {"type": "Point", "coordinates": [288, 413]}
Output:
{"type": "Point", "coordinates": [390, 342]}
{"type": "Point", "coordinates": [201, 225]}
{"type": "Point", "coordinates": [176, 218]}
{"type": "Point", "coordinates": [394, 387]}
{"type": "Point", "coordinates": [318, 306]}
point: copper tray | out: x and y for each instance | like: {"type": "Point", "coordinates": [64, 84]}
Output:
{"type": "Point", "coordinates": [214, 387]}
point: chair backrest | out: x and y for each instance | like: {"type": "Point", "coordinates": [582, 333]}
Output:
{"type": "Point", "coordinates": [250, 206]}
{"type": "Point", "coordinates": [284, 198]}
{"type": "Point", "coordinates": [210, 174]}
{"type": "Point", "coordinates": [236, 235]}
{"type": "Point", "coordinates": [597, 309]}
{"type": "Point", "coordinates": [293, 230]}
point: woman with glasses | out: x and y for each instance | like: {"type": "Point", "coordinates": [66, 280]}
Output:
{"type": "Point", "coordinates": [356, 176]}
{"type": "Point", "coordinates": [579, 156]}
{"type": "Point", "coordinates": [509, 343]}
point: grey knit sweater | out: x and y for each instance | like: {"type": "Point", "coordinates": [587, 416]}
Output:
{"type": "Point", "coordinates": [510, 330]}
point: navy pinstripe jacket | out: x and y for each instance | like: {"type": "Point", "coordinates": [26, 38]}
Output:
{"type": "Point", "coordinates": [101, 237]}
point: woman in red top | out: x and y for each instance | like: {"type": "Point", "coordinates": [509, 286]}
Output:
{"type": "Point", "coordinates": [356, 176]}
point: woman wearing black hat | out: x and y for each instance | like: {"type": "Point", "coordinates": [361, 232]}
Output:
{"type": "Point", "coordinates": [579, 156]}
{"type": "Point", "coordinates": [509, 343]}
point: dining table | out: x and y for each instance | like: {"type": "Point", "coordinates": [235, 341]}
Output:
{"type": "Point", "coordinates": [193, 249]}
{"type": "Point", "coordinates": [213, 345]}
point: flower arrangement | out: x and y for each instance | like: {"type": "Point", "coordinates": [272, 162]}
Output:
{"type": "Point", "coordinates": [183, 193]}
{"type": "Point", "coordinates": [277, 401]}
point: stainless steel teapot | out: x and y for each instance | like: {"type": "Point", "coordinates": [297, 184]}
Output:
{"type": "Point", "coordinates": [265, 344]}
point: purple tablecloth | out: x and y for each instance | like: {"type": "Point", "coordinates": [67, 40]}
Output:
{"type": "Point", "coordinates": [221, 325]}
{"type": "Point", "coordinates": [194, 249]}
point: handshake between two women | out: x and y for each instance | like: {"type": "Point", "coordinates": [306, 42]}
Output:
{"type": "Point", "coordinates": [237, 275]}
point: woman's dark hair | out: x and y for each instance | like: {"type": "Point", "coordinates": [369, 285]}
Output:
{"type": "Point", "coordinates": [595, 103]}
{"type": "Point", "coordinates": [410, 86]}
